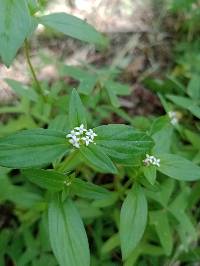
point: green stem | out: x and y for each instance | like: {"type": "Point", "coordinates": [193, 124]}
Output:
{"type": "Point", "coordinates": [37, 83]}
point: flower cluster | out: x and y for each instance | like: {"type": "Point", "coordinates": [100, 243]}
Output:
{"type": "Point", "coordinates": [173, 117]}
{"type": "Point", "coordinates": [151, 160]}
{"type": "Point", "coordinates": [80, 135]}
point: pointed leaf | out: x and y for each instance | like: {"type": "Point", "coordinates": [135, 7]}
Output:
{"type": "Point", "coordinates": [122, 143]}
{"type": "Point", "coordinates": [73, 27]}
{"type": "Point", "coordinates": [178, 167]}
{"type": "Point", "coordinates": [32, 148]}
{"type": "Point", "coordinates": [22, 90]}
{"type": "Point", "coordinates": [67, 234]}
{"type": "Point", "coordinates": [163, 229]}
{"type": "Point", "coordinates": [150, 173]}
{"type": "Point", "coordinates": [47, 179]}
{"type": "Point", "coordinates": [89, 190]}
{"type": "Point", "coordinates": [193, 88]}
{"type": "Point", "coordinates": [95, 157]}
{"type": "Point", "coordinates": [133, 220]}
{"type": "Point", "coordinates": [15, 23]}
{"type": "Point", "coordinates": [77, 114]}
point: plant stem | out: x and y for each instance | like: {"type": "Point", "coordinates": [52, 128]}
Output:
{"type": "Point", "coordinates": [37, 83]}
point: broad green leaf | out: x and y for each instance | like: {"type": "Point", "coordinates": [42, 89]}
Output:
{"type": "Point", "coordinates": [160, 220]}
{"type": "Point", "coordinates": [95, 157]}
{"type": "Point", "coordinates": [22, 90]}
{"type": "Point", "coordinates": [73, 27]}
{"type": "Point", "coordinates": [133, 220]}
{"type": "Point", "coordinates": [122, 143]}
{"type": "Point", "coordinates": [67, 234]}
{"type": "Point", "coordinates": [15, 24]}
{"type": "Point", "coordinates": [32, 148]}
{"type": "Point", "coordinates": [77, 113]}
{"type": "Point", "coordinates": [193, 88]}
{"type": "Point", "coordinates": [89, 190]}
{"type": "Point", "coordinates": [178, 167]}
{"type": "Point", "coordinates": [47, 179]}
{"type": "Point", "coordinates": [163, 139]}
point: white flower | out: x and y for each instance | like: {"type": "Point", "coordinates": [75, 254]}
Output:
{"type": "Point", "coordinates": [80, 129]}
{"type": "Point", "coordinates": [151, 160]}
{"type": "Point", "coordinates": [67, 183]}
{"type": "Point", "coordinates": [72, 134]}
{"type": "Point", "coordinates": [173, 117]}
{"type": "Point", "coordinates": [80, 135]}
{"type": "Point", "coordinates": [75, 142]}
{"type": "Point", "coordinates": [87, 140]}
{"type": "Point", "coordinates": [91, 134]}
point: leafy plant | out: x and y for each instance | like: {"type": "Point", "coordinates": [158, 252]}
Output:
{"type": "Point", "coordinates": [81, 190]}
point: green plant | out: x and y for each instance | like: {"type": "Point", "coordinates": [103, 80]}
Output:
{"type": "Point", "coordinates": [74, 181]}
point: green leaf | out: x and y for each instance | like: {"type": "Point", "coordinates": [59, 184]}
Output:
{"type": "Point", "coordinates": [106, 202]}
{"type": "Point", "coordinates": [14, 27]}
{"type": "Point", "coordinates": [47, 179]}
{"type": "Point", "coordinates": [186, 103]}
{"type": "Point", "coordinates": [89, 190]}
{"type": "Point", "coordinates": [163, 139]}
{"type": "Point", "coordinates": [122, 143]}
{"type": "Point", "coordinates": [133, 218]}
{"type": "Point", "coordinates": [113, 98]}
{"type": "Point", "coordinates": [178, 167]}
{"type": "Point", "coordinates": [185, 225]}
{"type": "Point", "coordinates": [110, 244]}
{"type": "Point", "coordinates": [23, 197]}
{"type": "Point", "coordinates": [22, 90]}
{"type": "Point", "coordinates": [193, 88]}
{"type": "Point", "coordinates": [193, 138]}
{"type": "Point", "coordinates": [195, 110]}
{"type": "Point", "coordinates": [150, 173]}
{"type": "Point", "coordinates": [73, 27]}
{"type": "Point", "coordinates": [67, 234]}
{"type": "Point", "coordinates": [87, 79]}
{"type": "Point", "coordinates": [32, 148]}
{"type": "Point", "coordinates": [95, 157]}
{"type": "Point", "coordinates": [60, 123]}
{"type": "Point", "coordinates": [163, 195]}
{"type": "Point", "coordinates": [77, 114]}
{"type": "Point", "coordinates": [117, 88]}
{"type": "Point", "coordinates": [114, 89]}
{"type": "Point", "coordinates": [160, 220]}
